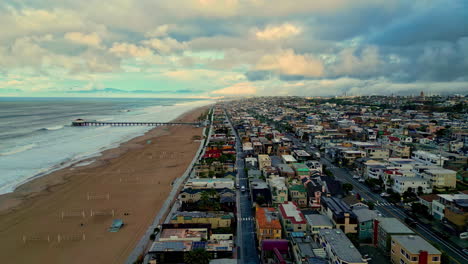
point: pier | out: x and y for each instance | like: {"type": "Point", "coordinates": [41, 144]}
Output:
{"type": "Point", "coordinates": [82, 122]}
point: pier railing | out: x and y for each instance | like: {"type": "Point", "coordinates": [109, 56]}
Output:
{"type": "Point", "coordinates": [80, 123]}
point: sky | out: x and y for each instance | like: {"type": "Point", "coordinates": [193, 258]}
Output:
{"type": "Point", "coordinates": [224, 48]}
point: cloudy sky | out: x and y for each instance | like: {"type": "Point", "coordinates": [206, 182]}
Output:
{"type": "Point", "coordinates": [213, 48]}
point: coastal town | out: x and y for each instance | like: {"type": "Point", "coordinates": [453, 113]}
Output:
{"type": "Point", "coordinates": [372, 179]}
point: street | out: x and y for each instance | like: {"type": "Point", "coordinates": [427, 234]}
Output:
{"type": "Point", "coordinates": [247, 250]}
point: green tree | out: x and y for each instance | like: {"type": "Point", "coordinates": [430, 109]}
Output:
{"type": "Point", "coordinates": [347, 187]}
{"type": "Point", "coordinates": [260, 200]}
{"type": "Point", "coordinates": [197, 256]}
{"type": "Point", "coordinates": [205, 198]}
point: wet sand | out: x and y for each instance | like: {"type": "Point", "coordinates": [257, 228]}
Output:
{"type": "Point", "coordinates": [63, 217]}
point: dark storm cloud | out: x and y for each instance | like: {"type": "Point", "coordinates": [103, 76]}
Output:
{"type": "Point", "coordinates": [443, 21]}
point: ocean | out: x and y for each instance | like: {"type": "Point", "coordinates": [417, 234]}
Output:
{"type": "Point", "coordinates": [36, 136]}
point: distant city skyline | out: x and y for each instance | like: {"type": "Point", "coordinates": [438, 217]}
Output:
{"type": "Point", "coordinates": [225, 48]}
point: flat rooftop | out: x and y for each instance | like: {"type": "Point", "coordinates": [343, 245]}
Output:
{"type": "Point", "coordinates": [341, 245]}
{"type": "Point", "coordinates": [414, 244]}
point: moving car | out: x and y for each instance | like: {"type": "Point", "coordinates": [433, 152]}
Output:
{"type": "Point", "coordinates": [361, 180]}
{"type": "Point", "coordinates": [356, 177]}
{"type": "Point", "coordinates": [243, 189]}
{"type": "Point", "coordinates": [384, 194]}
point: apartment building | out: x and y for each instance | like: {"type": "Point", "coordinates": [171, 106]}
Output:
{"type": "Point", "coordinates": [292, 218]}
{"type": "Point", "coordinates": [441, 178]}
{"type": "Point", "coordinates": [340, 213]}
{"type": "Point", "coordinates": [339, 248]}
{"type": "Point", "coordinates": [279, 191]}
{"type": "Point", "coordinates": [385, 228]}
{"type": "Point", "coordinates": [264, 161]}
{"type": "Point", "coordinates": [407, 249]}
{"type": "Point", "coordinates": [267, 223]}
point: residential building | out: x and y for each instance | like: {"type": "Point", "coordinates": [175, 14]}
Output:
{"type": "Point", "coordinates": [259, 188]}
{"type": "Point", "coordinates": [279, 191]}
{"type": "Point", "coordinates": [316, 222]}
{"type": "Point", "coordinates": [427, 201]}
{"type": "Point", "coordinates": [298, 193]}
{"type": "Point", "coordinates": [301, 155]}
{"type": "Point", "coordinates": [207, 183]}
{"type": "Point", "coordinates": [288, 159]}
{"type": "Point", "coordinates": [301, 170]}
{"type": "Point", "coordinates": [306, 250]}
{"type": "Point", "coordinates": [399, 151]}
{"type": "Point", "coordinates": [215, 219]}
{"type": "Point", "coordinates": [274, 251]}
{"type": "Point", "coordinates": [385, 228]}
{"type": "Point", "coordinates": [292, 218]}
{"type": "Point", "coordinates": [365, 218]}
{"type": "Point", "coordinates": [264, 161]}
{"type": "Point", "coordinates": [453, 207]}
{"type": "Point", "coordinates": [340, 213]}
{"type": "Point", "coordinates": [429, 158]}
{"type": "Point", "coordinates": [407, 249]}
{"type": "Point", "coordinates": [339, 248]}
{"type": "Point", "coordinates": [441, 178]}
{"type": "Point", "coordinates": [377, 153]}
{"type": "Point", "coordinates": [411, 184]}
{"type": "Point", "coordinates": [267, 223]}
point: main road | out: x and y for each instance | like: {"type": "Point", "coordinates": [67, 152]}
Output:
{"type": "Point", "coordinates": [247, 251]}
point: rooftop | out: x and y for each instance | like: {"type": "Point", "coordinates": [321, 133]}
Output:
{"type": "Point", "coordinates": [341, 245]}
{"type": "Point", "coordinates": [318, 220]}
{"type": "Point", "coordinates": [290, 211]}
{"type": "Point", "coordinates": [415, 244]}
{"type": "Point", "coordinates": [267, 217]}
{"type": "Point", "coordinates": [364, 214]}
{"type": "Point", "coordinates": [393, 226]}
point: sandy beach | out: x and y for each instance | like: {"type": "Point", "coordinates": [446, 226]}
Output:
{"type": "Point", "coordinates": [63, 217]}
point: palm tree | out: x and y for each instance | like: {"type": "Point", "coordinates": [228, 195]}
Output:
{"type": "Point", "coordinates": [197, 256]}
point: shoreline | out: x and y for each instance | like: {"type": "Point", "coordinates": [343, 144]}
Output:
{"type": "Point", "coordinates": [131, 181]}
{"type": "Point", "coordinates": [34, 186]}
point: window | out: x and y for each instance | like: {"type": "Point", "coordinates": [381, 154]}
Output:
{"type": "Point", "coordinates": [402, 252]}
{"type": "Point", "coordinates": [435, 258]}
{"type": "Point", "coordinates": [402, 261]}
{"type": "Point", "coordinates": [393, 251]}
{"type": "Point", "coordinates": [414, 258]}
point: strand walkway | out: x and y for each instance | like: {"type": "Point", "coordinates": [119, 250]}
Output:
{"type": "Point", "coordinates": [81, 122]}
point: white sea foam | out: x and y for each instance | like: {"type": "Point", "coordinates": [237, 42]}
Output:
{"type": "Point", "coordinates": [18, 150]}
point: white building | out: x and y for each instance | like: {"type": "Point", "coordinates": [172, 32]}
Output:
{"type": "Point", "coordinates": [279, 191]}
{"type": "Point", "coordinates": [288, 159]}
{"type": "Point", "coordinates": [402, 184]}
{"type": "Point", "coordinates": [429, 158]}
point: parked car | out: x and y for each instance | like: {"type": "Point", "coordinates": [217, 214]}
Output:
{"type": "Point", "coordinates": [356, 177]}
{"type": "Point", "coordinates": [361, 180]}
{"type": "Point", "coordinates": [464, 235]}
{"type": "Point", "coordinates": [243, 189]}
{"type": "Point", "coordinates": [384, 194]}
